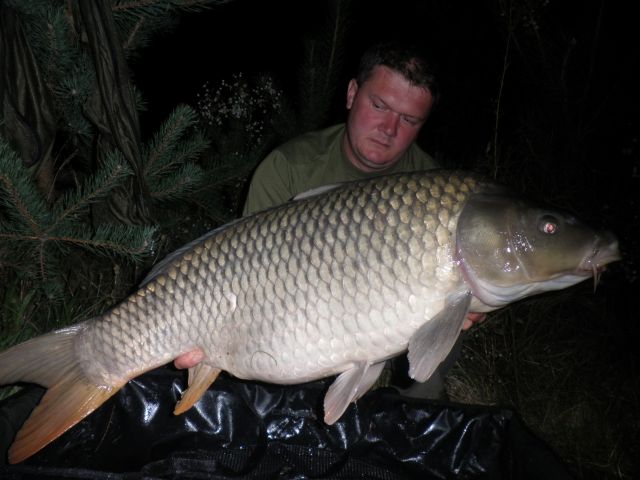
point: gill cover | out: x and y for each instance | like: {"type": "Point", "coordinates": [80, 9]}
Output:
{"type": "Point", "coordinates": [509, 248]}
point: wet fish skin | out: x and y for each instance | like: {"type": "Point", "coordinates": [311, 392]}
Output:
{"type": "Point", "coordinates": [288, 282]}
{"type": "Point", "coordinates": [334, 283]}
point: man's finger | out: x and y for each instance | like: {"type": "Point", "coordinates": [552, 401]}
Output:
{"type": "Point", "coordinates": [189, 359]}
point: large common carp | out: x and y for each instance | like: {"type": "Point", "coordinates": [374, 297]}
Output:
{"type": "Point", "coordinates": [334, 282]}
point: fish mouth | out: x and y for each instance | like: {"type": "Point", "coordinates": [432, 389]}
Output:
{"type": "Point", "coordinates": [603, 253]}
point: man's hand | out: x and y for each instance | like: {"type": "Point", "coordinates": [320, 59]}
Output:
{"type": "Point", "coordinates": [189, 359]}
{"type": "Point", "coordinates": [472, 319]}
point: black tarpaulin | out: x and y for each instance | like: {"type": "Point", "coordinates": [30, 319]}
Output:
{"type": "Point", "coordinates": [251, 430]}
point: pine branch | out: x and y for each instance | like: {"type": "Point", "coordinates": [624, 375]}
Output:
{"type": "Point", "coordinates": [159, 153]}
{"type": "Point", "coordinates": [71, 93]}
{"type": "Point", "coordinates": [126, 241]}
{"type": "Point", "coordinates": [168, 172]}
{"type": "Point", "coordinates": [163, 7]}
{"type": "Point", "coordinates": [67, 69]}
{"type": "Point", "coordinates": [36, 237]}
{"type": "Point", "coordinates": [32, 233]}
{"type": "Point", "coordinates": [18, 194]}
{"type": "Point", "coordinates": [129, 242]}
{"type": "Point", "coordinates": [47, 28]}
{"type": "Point", "coordinates": [140, 20]}
{"type": "Point", "coordinates": [96, 188]}
{"type": "Point", "coordinates": [178, 186]}
{"type": "Point", "coordinates": [191, 149]}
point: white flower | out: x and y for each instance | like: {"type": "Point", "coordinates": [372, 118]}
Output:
{"type": "Point", "coordinates": [253, 104]}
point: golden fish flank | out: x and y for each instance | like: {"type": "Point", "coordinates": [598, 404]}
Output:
{"type": "Point", "coordinates": [332, 283]}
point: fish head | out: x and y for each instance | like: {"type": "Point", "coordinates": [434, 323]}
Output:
{"type": "Point", "coordinates": [509, 248]}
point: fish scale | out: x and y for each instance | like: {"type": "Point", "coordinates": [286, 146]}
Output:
{"type": "Point", "coordinates": [323, 276]}
{"type": "Point", "coordinates": [335, 282]}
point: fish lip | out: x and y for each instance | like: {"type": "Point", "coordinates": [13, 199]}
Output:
{"type": "Point", "coordinates": [599, 258]}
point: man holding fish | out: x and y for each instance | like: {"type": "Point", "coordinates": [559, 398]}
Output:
{"type": "Point", "coordinates": [389, 101]}
{"type": "Point", "coordinates": [334, 283]}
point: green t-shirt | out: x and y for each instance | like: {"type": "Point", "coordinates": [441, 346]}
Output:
{"type": "Point", "coordinates": [312, 160]}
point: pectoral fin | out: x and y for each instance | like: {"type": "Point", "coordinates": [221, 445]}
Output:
{"type": "Point", "coordinates": [348, 387]}
{"type": "Point", "coordinates": [200, 378]}
{"type": "Point", "coordinates": [433, 341]}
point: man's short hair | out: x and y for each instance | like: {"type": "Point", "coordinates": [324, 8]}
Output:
{"type": "Point", "coordinates": [405, 59]}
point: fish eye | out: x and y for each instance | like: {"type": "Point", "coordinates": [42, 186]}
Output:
{"type": "Point", "coordinates": [548, 224]}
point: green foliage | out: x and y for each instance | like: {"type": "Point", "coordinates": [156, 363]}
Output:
{"type": "Point", "coordinates": [37, 235]}
{"type": "Point", "coordinates": [65, 62]}
{"type": "Point", "coordinates": [74, 204]}
{"type": "Point", "coordinates": [168, 166]}
{"type": "Point", "coordinates": [67, 68]}
{"type": "Point", "coordinates": [56, 230]}
{"type": "Point", "coordinates": [139, 22]}
{"type": "Point", "coordinates": [15, 308]}
{"type": "Point", "coordinates": [20, 197]}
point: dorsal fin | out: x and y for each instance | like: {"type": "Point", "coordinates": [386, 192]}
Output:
{"type": "Point", "coordinates": [316, 191]}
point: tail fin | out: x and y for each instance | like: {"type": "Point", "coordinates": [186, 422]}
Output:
{"type": "Point", "coordinates": [49, 361]}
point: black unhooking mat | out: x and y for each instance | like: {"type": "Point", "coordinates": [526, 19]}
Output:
{"type": "Point", "coordinates": [253, 430]}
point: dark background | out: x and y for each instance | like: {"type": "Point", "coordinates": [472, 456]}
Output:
{"type": "Point", "coordinates": [580, 53]}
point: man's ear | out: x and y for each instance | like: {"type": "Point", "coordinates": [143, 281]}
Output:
{"type": "Point", "coordinates": [352, 89]}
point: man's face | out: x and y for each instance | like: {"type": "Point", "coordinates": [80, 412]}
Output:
{"type": "Point", "coordinates": [385, 115]}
